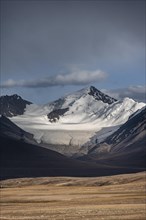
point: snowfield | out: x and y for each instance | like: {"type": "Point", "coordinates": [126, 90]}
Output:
{"type": "Point", "coordinates": [86, 116]}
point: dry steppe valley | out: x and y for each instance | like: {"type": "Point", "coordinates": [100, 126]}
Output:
{"type": "Point", "coordinates": [70, 198]}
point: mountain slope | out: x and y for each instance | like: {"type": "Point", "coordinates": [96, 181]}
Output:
{"type": "Point", "coordinates": [20, 159]}
{"type": "Point", "coordinates": [8, 128]}
{"type": "Point", "coordinates": [12, 105]}
{"type": "Point", "coordinates": [133, 131]}
{"type": "Point", "coordinates": [126, 146]}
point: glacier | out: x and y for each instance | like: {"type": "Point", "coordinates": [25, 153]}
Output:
{"type": "Point", "coordinates": [89, 112]}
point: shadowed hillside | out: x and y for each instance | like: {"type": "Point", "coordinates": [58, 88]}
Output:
{"type": "Point", "coordinates": [20, 159]}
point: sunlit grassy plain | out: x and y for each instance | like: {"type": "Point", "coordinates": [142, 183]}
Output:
{"type": "Point", "coordinates": [68, 198]}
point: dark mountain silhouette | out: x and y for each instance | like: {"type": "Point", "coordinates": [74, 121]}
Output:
{"type": "Point", "coordinates": [12, 105]}
{"type": "Point", "coordinates": [19, 159]}
{"type": "Point", "coordinates": [7, 127]}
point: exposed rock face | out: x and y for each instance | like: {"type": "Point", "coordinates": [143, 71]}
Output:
{"type": "Point", "coordinates": [55, 114]}
{"type": "Point", "coordinates": [12, 105]}
{"type": "Point", "coordinates": [98, 95]}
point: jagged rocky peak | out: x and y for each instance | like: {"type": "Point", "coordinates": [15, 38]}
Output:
{"type": "Point", "coordinates": [98, 95]}
{"type": "Point", "coordinates": [12, 105]}
{"type": "Point", "coordinates": [10, 97]}
{"type": "Point", "coordinates": [15, 96]}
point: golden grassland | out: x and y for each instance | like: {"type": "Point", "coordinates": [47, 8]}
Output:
{"type": "Point", "coordinates": [70, 198]}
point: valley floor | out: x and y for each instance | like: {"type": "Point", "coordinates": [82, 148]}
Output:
{"type": "Point", "coordinates": [68, 198]}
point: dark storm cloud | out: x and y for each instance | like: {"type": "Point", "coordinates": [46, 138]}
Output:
{"type": "Point", "coordinates": [137, 93]}
{"type": "Point", "coordinates": [41, 35]}
{"type": "Point", "coordinates": [76, 77]}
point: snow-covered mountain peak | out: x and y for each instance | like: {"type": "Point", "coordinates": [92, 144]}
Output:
{"type": "Point", "coordinates": [130, 104]}
{"type": "Point", "coordinates": [74, 118]}
{"type": "Point", "coordinates": [80, 105]}
{"type": "Point", "coordinates": [86, 94]}
{"type": "Point", "coordinates": [87, 104]}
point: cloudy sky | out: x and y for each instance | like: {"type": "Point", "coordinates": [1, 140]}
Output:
{"type": "Point", "coordinates": [51, 48]}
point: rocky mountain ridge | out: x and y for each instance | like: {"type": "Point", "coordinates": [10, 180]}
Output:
{"type": "Point", "coordinates": [12, 105]}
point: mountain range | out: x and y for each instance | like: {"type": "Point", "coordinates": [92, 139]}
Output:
{"type": "Point", "coordinates": [96, 129]}
{"type": "Point", "coordinates": [69, 123]}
